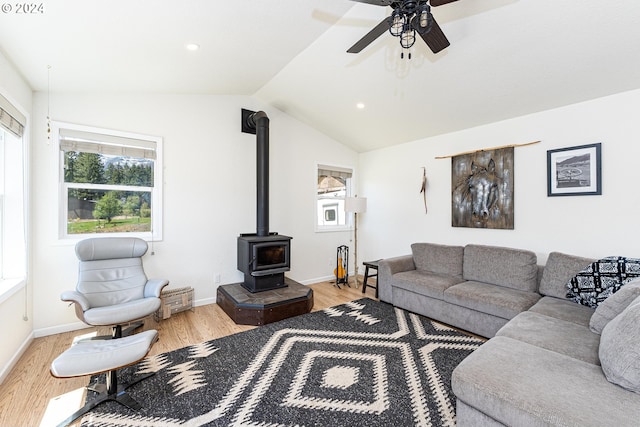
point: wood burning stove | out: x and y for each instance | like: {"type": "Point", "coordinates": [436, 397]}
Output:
{"type": "Point", "coordinates": [263, 256]}
{"type": "Point", "coordinates": [263, 260]}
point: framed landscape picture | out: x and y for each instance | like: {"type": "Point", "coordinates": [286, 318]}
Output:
{"type": "Point", "coordinates": [574, 171]}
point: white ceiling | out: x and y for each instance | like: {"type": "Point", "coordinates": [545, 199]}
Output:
{"type": "Point", "coordinates": [507, 58]}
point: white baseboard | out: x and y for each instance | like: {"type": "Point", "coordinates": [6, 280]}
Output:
{"type": "Point", "coordinates": [204, 301]}
{"type": "Point", "coordinates": [6, 369]}
{"type": "Point", "coordinates": [317, 280]}
{"type": "Point", "coordinates": [44, 332]}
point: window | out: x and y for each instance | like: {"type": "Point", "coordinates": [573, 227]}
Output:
{"type": "Point", "coordinates": [13, 234]}
{"type": "Point", "coordinates": [110, 182]}
{"type": "Point", "coordinates": [333, 185]}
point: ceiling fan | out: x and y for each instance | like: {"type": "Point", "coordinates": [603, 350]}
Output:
{"type": "Point", "coordinates": [408, 18]}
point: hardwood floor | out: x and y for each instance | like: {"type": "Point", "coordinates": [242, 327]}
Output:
{"type": "Point", "coordinates": [31, 396]}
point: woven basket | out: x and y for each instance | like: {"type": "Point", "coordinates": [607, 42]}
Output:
{"type": "Point", "coordinates": [174, 301]}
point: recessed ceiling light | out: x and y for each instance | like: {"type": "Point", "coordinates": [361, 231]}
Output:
{"type": "Point", "coordinates": [360, 105]}
{"type": "Point", "coordinates": [192, 46]}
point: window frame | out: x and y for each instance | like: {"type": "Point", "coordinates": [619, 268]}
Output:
{"type": "Point", "coordinates": [349, 189]}
{"type": "Point", "coordinates": [156, 232]}
{"type": "Point", "coordinates": [15, 278]}
{"type": "Point", "coordinates": [2, 211]}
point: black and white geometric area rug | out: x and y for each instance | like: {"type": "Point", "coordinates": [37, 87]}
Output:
{"type": "Point", "coordinates": [363, 363]}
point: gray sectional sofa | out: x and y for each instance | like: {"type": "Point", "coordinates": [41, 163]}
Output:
{"type": "Point", "coordinates": [476, 288]}
{"type": "Point", "coordinates": [549, 361]}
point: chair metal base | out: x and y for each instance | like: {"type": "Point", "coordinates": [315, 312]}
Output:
{"type": "Point", "coordinates": [109, 391]}
{"type": "Point", "coordinates": [129, 330]}
{"type": "Point", "coordinates": [118, 332]}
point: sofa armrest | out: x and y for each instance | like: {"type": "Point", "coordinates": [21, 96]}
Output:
{"type": "Point", "coordinates": [386, 269]}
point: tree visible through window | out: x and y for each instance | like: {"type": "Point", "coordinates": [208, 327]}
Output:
{"type": "Point", "coordinates": [109, 182]}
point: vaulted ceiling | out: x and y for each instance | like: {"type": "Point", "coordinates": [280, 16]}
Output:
{"type": "Point", "coordinates": [507, 58]}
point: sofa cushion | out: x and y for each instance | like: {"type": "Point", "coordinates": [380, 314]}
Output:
{"type": "Point", "coordinates": [601, 279]}
{"type": "Point", "coordinates": [519, 384]}
{"type": "Point", "coordinates": [441, 259]}
{"type": "Point", "coordinates": [563, 309]}
{"type": "Point", "coordinates": [614, 305]}
{"type": "Point", "coordinates": [620, 348]}
{"type": "Point", "coordinates": [491, 299]}
{"type": "Point", "coordinates": [424, 282]}
{"type": "Point", "coordinates": [557, 335]}
{"type": "Point", "coordinates": [559, 269]}
{"type": "Point", "coordinates": [511, 268]}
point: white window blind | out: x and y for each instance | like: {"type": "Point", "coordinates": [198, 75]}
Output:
{"type": "Point", "coordinates": [10, 118]}
{"type": "Point", "coordinates": [110, 145]}
{"type": "Point", "coordinates": [334, 171]}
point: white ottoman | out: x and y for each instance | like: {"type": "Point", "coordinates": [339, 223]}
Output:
{"type": "Point", "coordinates": [90, 357]}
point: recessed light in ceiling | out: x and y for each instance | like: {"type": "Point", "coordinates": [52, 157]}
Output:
{"type": "Point", "coordinates": [192, 46]}
{"type": "Point", "coordinates": [360, 105]}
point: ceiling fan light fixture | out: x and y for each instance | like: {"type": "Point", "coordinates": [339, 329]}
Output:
{"type": "Point", "coordinates": [397, 23]}
{"type": "Point", "coordinates": [408, 37]}
{"type": "Point", "coordinates": [423, 19]}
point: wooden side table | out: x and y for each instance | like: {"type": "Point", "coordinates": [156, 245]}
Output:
{"type": "Point", "coordinates": [367, 265]}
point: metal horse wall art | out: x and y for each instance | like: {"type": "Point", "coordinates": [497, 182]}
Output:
{"type": "Point", "coordinates": [482, 189]}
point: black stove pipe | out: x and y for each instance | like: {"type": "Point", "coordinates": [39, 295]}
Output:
{"type": "Point", "coordinates": [260, 122]}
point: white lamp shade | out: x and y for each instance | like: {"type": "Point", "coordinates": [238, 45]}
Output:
{"type": "Point", "coordinates": [355, 204]}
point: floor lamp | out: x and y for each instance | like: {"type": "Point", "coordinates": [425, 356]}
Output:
{"type": "Point", "coordinates": [356, 205]}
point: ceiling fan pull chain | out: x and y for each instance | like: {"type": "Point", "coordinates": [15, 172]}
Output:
{"type": "Point", "coordinates": [408, 55]}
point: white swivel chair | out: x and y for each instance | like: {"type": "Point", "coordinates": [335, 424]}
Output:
{"type": "Point", "coordinates": [113, 289]}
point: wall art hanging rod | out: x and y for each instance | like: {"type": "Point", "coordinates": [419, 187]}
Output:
{"type": "Point", "coordinates": [487, 149]}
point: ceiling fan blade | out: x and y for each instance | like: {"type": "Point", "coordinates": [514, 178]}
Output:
{"type": "Point", "coordinates": [435, 39]}
{"type": "Point", "coordinates": [379, 2]}
{"type": "Point", "coordinates": [434, 3]}
{"type": "Point", "coordinates": [376, 32]}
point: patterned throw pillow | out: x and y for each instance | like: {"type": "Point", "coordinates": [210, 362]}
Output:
{"type": "Point", "coordinates": [602, 279]}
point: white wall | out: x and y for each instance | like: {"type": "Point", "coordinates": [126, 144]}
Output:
{"type": "Point", "coordinates": [592, 226]}
{"type": "Point", "coordinates": [15, 311]}
{"type": "Point", "coordinates": [209, 191]}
